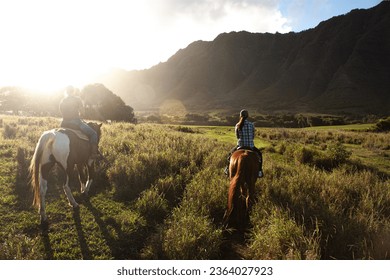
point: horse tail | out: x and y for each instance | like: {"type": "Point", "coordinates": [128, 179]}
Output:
{"type": "Point", "coordinates": [35, 164]}
{"type": "Point", "coordinates": [235, 187]}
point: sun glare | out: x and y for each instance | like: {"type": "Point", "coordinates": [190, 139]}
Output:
{"type": "Point", "coordinates": [74, 42]}
{"type": "Point", "coordinates": [43, 77]}
{"type": "Point", "coordinates": [47, 45]}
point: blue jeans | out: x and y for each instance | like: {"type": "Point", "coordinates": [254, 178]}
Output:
{"type": "Point", "coordinates": [84, 127]}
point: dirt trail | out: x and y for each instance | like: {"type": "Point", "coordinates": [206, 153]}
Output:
{"type": "Point", "coordinates": [234, 247]}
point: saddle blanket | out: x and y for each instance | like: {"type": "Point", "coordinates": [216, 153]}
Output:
{"type": "Point", "coordinates": [78, 133]}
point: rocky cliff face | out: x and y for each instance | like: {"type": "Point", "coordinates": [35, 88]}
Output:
{"type": "Point", "coordinates": [342, 65]}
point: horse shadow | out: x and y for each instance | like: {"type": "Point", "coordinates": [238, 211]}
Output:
{"type": "Point", "coordinates": [120, 246]}
{"type": "Point", "coordinates": [235, 240]}
{"type": "Point", "coordinates": [85, 252]}
{"type": "Point", "coordinates": [49, 253]}
{"type": "Point", "coordinates": [22, 191]}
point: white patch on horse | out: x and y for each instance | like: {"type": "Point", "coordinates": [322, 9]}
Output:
{"type": "Point", "coordinates": [61, 148]}
{"type": "Point", "coordinates": [43, 190]}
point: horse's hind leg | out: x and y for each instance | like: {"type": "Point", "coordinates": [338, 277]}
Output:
{"type": "Point", "coordinates": [42, 204]}
{"type": "Point", "coordinates": [82, 177]}
{"type": "Point", "coordinates": [86, 173]}
{"type": "Point", "coordinates": [68, 192]}
{"type": "Point", "coordinates": [91, 175]}
{"type": "Point", "coordinates": [45, 169]}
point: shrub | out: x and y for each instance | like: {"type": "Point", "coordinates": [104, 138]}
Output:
{"type": "Point", "coordinates": [191, 235]}
{"type": "Point", "coordinates": [207, 193]}
{"type": "Point", "coordinates": [152, 205]}
{"type": "Point", "coordinates": [304, 155]}
{"type": "Point", "coordinates": [338, 153]}
{"type": "Point", "coordinates": [383, 125]}
{"type": "Point", "coordinates": [276, 236]}
{"type": "Point", "coordinates": [173, 186]}
{"type": "Point", "coordinates": [9, 132]}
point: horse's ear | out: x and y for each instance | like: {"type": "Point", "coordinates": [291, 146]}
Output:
{"type": "Point", "coordinates": [100, 124]}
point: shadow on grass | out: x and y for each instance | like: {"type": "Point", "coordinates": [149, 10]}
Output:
{"type": "Point", "coordinates": [22, 184]}
{"type": "Point", "coordinates": [123, 245]}
{"type": "Point", "coordinates": [49, 255]}
{"type": "Point", "coordinates": [85, 252]}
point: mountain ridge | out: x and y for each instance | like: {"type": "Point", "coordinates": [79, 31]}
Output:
{"type": "Point", "coordinates": [341, 65]}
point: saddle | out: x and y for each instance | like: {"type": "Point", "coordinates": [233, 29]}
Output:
{"type": "Point", "coordinates": [77, 133]}
{"type": "Point", "coordinates": [244, 148]}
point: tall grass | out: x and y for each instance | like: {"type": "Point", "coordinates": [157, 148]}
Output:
{"type": "Point", "coordinates": [161, 194]}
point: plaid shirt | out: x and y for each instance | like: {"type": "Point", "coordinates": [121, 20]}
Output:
{"type": "Point", "coordinates": [246, 135]}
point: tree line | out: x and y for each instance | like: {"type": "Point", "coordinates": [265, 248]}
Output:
{"type": "Point", "coordinates": [100, 103]}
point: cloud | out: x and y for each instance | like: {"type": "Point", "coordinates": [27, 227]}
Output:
{"type": "Point", "coordinates": [228, 15]}
{"type": "Point", "coordinates": [180, 22]}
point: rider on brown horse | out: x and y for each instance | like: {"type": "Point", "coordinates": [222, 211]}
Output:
{"type": "Point", "coordinates": [71, 106]}
{"type": "Point", "coordinates": [245, 133]}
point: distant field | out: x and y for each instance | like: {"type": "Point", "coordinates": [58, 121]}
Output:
{"type": "Point", "coordinates": [161, 194]}
{"type": "Point", "coordinates": [226, 134]}
{"type": "Point", "coordinates": [357, 127]}
{"type": "Point", "coordinates": [368, 153]}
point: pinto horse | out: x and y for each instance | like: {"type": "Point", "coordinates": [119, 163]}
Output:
{"type": "Point", "coordinates": [243, 170]}
{"type": "Point", "coordinates": [63, 147]}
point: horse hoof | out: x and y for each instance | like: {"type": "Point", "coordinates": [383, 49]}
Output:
{"type": "Point", "coordinates": [44, 224]}
{"type": "Point", "coordinates": [85, 195]}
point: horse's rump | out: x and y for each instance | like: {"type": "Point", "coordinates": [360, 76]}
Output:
{"type": "Point", "coordinates": [244, 160]}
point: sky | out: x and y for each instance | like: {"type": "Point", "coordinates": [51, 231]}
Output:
{"type": "Point", "coordinates": [46, 45]}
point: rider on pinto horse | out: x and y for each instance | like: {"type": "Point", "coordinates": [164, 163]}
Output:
{"type": "Point", "coordinates": [245, 133]}
{"type": "Point", "coordinates": [71, 106]}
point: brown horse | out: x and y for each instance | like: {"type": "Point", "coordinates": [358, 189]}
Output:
{"type": "Point", "coordinates": [243, 170]}
{"type": "Point", "coordinates": [65, 148]}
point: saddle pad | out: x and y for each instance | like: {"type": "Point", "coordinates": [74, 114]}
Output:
{"type": "Point", "coordinates": [78, 133]}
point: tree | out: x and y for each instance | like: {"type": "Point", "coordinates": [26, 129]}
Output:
{"type": "Point", "coordinates": [383, 125]}
{"type": "Point", "coordinates": [12, 99]}
{"type": "Point", "coordinates": [101, 104]}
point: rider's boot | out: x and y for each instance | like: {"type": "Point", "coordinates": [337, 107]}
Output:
{"type": "Point", "coordinates": [226, 170]}
{"type": "Point", "coordinates": [260, 174]}
{"type": "Point", "coordinates": [94, 152]}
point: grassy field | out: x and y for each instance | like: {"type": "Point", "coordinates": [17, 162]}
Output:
{"type": "Point", "coordinates": [350, 127]}
{"type": "Point", "coordinates": [162, 193]}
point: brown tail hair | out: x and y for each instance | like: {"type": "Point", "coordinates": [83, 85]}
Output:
{"type": "Point", "coordinates": [234, 191]}
{"type": "Point", "coordinates": [243, 168]}
{"type": "Point", "coordinates": [34, 168]}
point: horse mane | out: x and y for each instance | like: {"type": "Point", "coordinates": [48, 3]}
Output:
{"type": "Point", "coordinates": [97, 127]}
